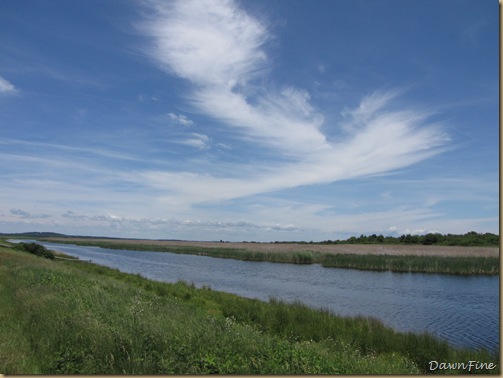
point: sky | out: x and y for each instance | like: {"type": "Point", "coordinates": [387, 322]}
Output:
{"type": "Point", "coordinates": [263, 120]}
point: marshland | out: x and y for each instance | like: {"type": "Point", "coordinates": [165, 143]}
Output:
{"type": "Point", "coordinates": [64, 317]}
{"type": "Point", "coordinates": [398, 258]}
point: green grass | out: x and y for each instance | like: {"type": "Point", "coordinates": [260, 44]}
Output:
{"type": "Point", "coordinates": [430, 264]}
{"type": "Point", "coordinates": [59, 316]}
{"type": "Point", "coordinates": [411, 263]}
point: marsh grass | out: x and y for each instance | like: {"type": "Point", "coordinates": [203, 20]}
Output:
{"type": "Point", "coordinates": [379, 262]}
{"type": "Point", "coordinates": [430, 264]}
{"type": "Point", "coordinates": [59, 317]}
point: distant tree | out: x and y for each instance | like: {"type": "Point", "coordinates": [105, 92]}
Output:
{"type": "Point", "coordinates": [471, 238]}
{"type": "Point", "coordinates": [430, 239]}
{"type": "Point", "coordinates": [410, 239]}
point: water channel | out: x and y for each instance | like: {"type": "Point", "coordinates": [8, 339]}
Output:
{"type": "Point", "coordinates": [464, 310]}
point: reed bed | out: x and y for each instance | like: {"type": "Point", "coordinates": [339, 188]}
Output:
{"type": "Point", "coordinates": [58, 317]}
{"type": "Point", "coordinates": [433, 264]}
{"type": "Point", "coordinates": [363, 249]}
{"type": "Point", "coordinates": [455, 260]}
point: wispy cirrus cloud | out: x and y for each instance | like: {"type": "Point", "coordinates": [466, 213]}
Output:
{"type": "Point", "coordinates": [386, 142]}
{"type": "Point", "coordinates": [196, 140]}
{"type": "Point", "coordinates": [180, 119]}
{"type": "Point", "coordinates": [49, 147]}
{"type": "Point", "coordinates": [6, 86]}
{"type": "Point", "coordinates": [221, 50]}
{"type": "Point", "coordinates": [211, 43]}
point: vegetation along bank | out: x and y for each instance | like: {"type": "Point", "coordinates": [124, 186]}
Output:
{"type": "Point", "coordinates": [398, 258]}
{"type": "Point", "coordinates": [60, 316]}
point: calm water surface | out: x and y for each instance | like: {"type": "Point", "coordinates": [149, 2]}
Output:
{"type": "Point", "coordinates": [461, 310]}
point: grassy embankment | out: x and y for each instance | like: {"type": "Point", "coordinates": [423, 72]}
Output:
{"type": "Point", "coordinates": [384, 262]}
{"type": "Point", "coordinates": [59, 316]}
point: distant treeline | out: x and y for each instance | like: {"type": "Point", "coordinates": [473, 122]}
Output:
{"type": "Point", "coordinates": [471, 238]}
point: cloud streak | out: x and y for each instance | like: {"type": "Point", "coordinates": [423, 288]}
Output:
{"type": "Point", "coordinates": [6, 86]}
{"type": "Point", "coordinates": [196, 140]}
{"type": "Point", "coordinates": [180, 119]}
{"type": "Point", "coordinates": [221, 50]}
{"type": "Point", "coordinates": [26, 215]}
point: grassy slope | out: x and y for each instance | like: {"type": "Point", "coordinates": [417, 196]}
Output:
{"type": "Point", "coordinates": [396, 263]}
{"type": "Point", "coordinates": [66, 317]}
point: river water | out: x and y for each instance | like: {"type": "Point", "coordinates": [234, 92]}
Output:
{"type": "Point", "coordinates": [464, 310]}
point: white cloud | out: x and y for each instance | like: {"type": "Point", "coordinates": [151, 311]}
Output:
{"type": "Point", "coordinates": [207, 42]}
{"type": "Point", "coordinates": [26, 215]}
{"type": "Point", "coordinates": [107, 153]}
{"type": "Point", "coordinates": [220, 49]}
{"type": "Point", "coordinates": [189, 225]}
{"type": "Point", "coordinates": [6, 86]}
{"type": "Point", "coordinates": [180, 119]}
{"type": "Point", "coordinates": [388, 141]}
{"type": "Point", "coordinates": [196, 140]}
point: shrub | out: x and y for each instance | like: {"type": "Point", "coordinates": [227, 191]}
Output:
{"type": "Point", "coordinates": [36, 249]}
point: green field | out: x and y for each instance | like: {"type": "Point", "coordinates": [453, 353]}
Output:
{"type": "Point", "coordinates": [61, 316]}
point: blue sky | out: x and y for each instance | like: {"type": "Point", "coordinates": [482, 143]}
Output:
{"type": "Point", "coordinates": [249, 120]}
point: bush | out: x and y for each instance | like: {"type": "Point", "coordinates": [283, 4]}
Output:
{"type": "Point", "coordinates": [36, 249]}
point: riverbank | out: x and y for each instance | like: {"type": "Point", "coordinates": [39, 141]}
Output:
{"type": "Point", "coordinates": [360, 249]}
{"type": "Point", "coordinates": [62, 317]}
{"type": "Point", "coordinates": [396, 258]}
